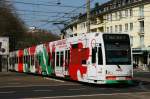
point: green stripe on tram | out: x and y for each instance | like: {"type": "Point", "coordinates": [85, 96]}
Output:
{"type": "Point", "coordinates": [119, 82]}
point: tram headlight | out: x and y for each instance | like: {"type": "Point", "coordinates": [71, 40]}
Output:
{"type": "Point", "coordinates": [129, 72]}
{"type": "Point", "coordinates": [109, 72]}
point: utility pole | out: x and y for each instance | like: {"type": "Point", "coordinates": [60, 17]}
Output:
{"type": "Point", "coordinates": [88, 15]}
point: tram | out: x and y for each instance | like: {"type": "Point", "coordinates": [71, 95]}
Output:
{"type": "Point", "coordinates": [99, 58]}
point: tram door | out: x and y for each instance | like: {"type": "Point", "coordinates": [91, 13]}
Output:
{"type": "Point", "coordinates": [59, 63]}
{"type": "Point", "coordinates": [95, 69]}
{"type": "Point", "coordinates": [100, 74]}
{"type": "Point", "coordinates": [53, 63]}
{"type": "Point", "coordinates": [66, 62]}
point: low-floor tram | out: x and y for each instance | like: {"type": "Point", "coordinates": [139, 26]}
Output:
{"type": "Point", "coordinates": [99, 58]}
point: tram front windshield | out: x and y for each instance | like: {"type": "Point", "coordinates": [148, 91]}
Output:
{"type": "Point", "coordinates": [117, 49]}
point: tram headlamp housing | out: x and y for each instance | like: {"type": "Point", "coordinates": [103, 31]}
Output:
{"type": "Point", "coordinates": [109, 72]}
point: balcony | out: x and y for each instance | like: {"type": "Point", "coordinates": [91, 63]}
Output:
{"type": "Point", "coordinates": [141, 17]}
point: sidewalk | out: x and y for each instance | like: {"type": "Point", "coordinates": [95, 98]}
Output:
{"type": "Point", "coordinates": [140, 70]}
{"type": "Point", "coordinates": [142, 75]}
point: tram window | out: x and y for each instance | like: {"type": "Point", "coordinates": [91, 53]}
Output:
{"type": "Point", "coordinates": [61, 58]}
{"type": "Point", "coordinates": [83, 61]}
{"type": "Point", "coordinates": [39, 59]}
{"type": "Point", "coordinates": [23, 59]}
{"type": "Point", "coordinates": [26, 59]}
{"type": "Point", "coordinates": [68, 56]}
{"type": "Point", "coordinates": [32, 60]}
{"type": "Point", "coordinates": [75, 46]}
{"type": "Point", "coordinates": [20, 59]}
{"type": "Point", "coordinates": [16, 59]}
{"type": "Point", "coordinates": [100, 56]}
{"type": "Point", "coordinates": [49, 58]}
{"type": "Point", "coordinates": [10, 62]}
{"type": "Point", "coordinates": [53, 56]}
{"type": "Point", "coordinates": [94, 55]}
{"type": "Point", "coordinates": [57, 59]}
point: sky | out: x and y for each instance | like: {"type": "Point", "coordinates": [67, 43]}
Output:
{"type": "Point", "coordinates": [44, 13]}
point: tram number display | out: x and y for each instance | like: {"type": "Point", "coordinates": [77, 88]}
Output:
{"type": "Point", "coordinates": [109, 37]}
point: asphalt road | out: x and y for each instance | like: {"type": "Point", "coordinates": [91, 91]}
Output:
{"type": "Point", "coordinates": [22, 86]}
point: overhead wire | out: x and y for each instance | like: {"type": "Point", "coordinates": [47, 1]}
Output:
{"type": "Point", "coordinates": [57, 18]}
{"type": "Point", "coordinates": [43, 4]}
{"type": "Point", "coordinates": [65, 15]}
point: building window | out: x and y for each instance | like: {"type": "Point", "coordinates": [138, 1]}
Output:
{"type": "Point", "coordinates": [141, 26]}
{"type": "Point", "coordinates": [141, 11]}
{"type": "Point", "coordinates": [126, 13]}
{"type": "Point", "coordinates": [120, 14]}
{"type": "Point", "coordinates": [111, 29]}
{"type": "Point", "coordinates": [126, 27]}
{"type": "Point", "coordinates": [107, 17]}
{"type": "Point", "coordinates": [131, 26]}
{"type": "Point", "coordinates": [142, 41]}
{"type": "Point", "coordinates": [110, 17]}
{"type": "Point", "coordinates": [126, 1]}
{"type": "Point", "coordinates": [108, 29]}
{"type": "Point", "coordinates": [131, 12]}
{"type": "Point", "coordinates": [116, 28]}
{"type": "Point", "coordinates": [120, 28]}
{"type": "Point", "coordinates": [116, 16]}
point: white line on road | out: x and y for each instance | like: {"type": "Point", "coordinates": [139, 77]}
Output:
{"type": "Point", "coordinates": [75, 96]}
{"type": "Point", "coordinates": [7, 92]}
{"type": "Point", "coordinates": [53, 79]}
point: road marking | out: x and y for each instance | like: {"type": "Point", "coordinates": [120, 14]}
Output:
{"type": "Point", "coordinates": [42, 90]}
{"type": "Point", "coordinates": [53, 79]}
{"type": "Point", "coordinates": [6, 92]}
{"type": "Point", "coordinates": [75, 96]}
{"type": "Point", "coordinates": [40, 85]}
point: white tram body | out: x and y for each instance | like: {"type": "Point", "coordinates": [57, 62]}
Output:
{"type": "Point", "coordinates": [99, 58]}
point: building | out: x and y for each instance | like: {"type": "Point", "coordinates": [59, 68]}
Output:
{"type": "Point", "coordinates": [120, 16]}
